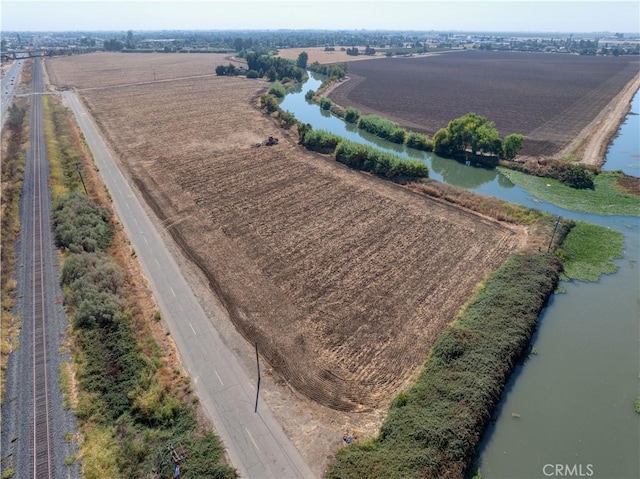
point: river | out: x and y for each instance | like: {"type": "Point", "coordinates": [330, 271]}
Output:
{"type": "Point", "coordinates": [568, 411]}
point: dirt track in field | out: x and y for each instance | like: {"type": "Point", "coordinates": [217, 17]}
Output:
{"type": "Point", "coordinates": [550, 98]}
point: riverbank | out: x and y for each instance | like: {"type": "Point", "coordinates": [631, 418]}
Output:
{"type": "Point", "coordinates": [590, 146]}
{"type": "Point", "coordinates": [433, 428]}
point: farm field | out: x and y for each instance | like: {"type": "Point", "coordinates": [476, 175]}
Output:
{"type": "Point", "coordinates": [343, 280]}
{"type": "Point", "coordinates": [317, 54]}
{"type": "Point", "coordinates": [114, 68]}
{"type": "Point", "coordinates": [549, 98]}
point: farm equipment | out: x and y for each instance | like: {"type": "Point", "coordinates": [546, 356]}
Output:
{"type": "Point", "coordinates": [272, 140]}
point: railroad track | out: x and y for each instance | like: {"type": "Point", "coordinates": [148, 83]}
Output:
{"type": "Point", "coordinates": [39, 235]}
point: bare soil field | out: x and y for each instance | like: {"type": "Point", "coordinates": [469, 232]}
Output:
{"type": "Point", "coordinates": [342, 279]}
{"type": "Point", "coordinates": [549, 98]}
{"type": "Point", "coordinates": [104, 69]}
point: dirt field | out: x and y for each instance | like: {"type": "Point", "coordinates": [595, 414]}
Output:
{"type": "Point", "coordinates": [342, 279]}
{"type": "Point", "coordinates": [111, 68]}
{"type": "Point", "coordinates": [550, 98]}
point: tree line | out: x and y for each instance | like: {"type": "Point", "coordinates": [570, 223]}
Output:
{"type": "Point", "coordinates": [261, 64]}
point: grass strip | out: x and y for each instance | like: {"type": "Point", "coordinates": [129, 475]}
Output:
{"type": "Point", "coordinates": [605, 199]}
{"type": "Point", "coordinates": [588, 251]}
{"type": "Point", "coordinates": [433, 428]}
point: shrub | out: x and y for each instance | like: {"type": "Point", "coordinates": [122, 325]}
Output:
{"type": "Point", "coordinates": [81, 225]}
{"type": "Point", "coordinates": [269, 103]}
{"type": "Point", "coordinates": [366, 158]}
{"type": "Point", "coordinates": [351, 115]}
{"type": "Point", "coordinates": [418, 141]}
{"type": "Point", "coordinates": [511, 145]}
{"type": "Point", "coordinates": [277, 90]}
{"type": "Point", "coordinates": [577, 176]}
{"type": "Point", "coordinates": [252, 74]}
{"type": "Point", "coordinates": [287, 119]}
{"type": "Point", "coordinates": [397, 136]}
{"type": "Point", "coordinates": [320, 140]}
{"type": "Point", "coordinates": [303, 129]}
{"type": "Point", "coordinates": [325, 103]}
{"type": "Point", "coordinates": [383, 128]}
{"type": "Point", "coordinates": [309, 95]}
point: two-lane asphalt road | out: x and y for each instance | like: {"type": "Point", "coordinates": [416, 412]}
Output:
{"type": "Point", "coordinates": [256, 443]}
{"type": "Point", "coordinates": [7, 87]}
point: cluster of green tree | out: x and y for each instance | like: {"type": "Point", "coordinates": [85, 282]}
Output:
{"type": "Point", "coordinates": [354, 51]}
{"type": "Point", "coordinates": [113, 45]}
{"type": "Point", "coordinates": [366, 158]}
{"type": "Point", "coordinates": [391, 52]}
{"type": "Point", "coordinates": [474, 134]}
{"type": "Point", "coordinates": [433, 428]}
{"type": "Point", "coordinates": [333, 71]}
{"type": "Point", "coordinates": [575, 175]}
{"type": "Point", "coordinates": [228, 70]}
{"type": "Point", "coordinates": [274, 68]}
{"type": "Point", "coordinates": [563, 45]}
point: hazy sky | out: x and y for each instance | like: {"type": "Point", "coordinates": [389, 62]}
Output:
{"type": "Point", "coordinates": [476, 15]}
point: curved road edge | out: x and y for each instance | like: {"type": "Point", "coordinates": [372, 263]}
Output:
{"type": "Point", "coordinates": [256, 443]}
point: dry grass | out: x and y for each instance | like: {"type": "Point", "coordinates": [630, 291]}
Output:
{"type": "Point", "coordinates": [342, 279]}
{"type": "Point", "coordinates": [317, 54]}
{"type": "Point", "coordinates": [110, 69]}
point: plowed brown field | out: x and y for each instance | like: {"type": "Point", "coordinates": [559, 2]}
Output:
{"type": "Point", "coordinates": [549, 98]}
{"type": "Point", "coordinates": [342, 279]}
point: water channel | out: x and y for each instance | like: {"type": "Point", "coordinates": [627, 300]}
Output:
{"type": "Point", "coordinates": [568, 411]}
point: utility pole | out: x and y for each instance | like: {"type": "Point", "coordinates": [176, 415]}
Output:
{"type": "Point", "coordinates": [82, 180]}
{"type": "Point", "coordinates": [554, 234]}
{"type": "Point", "coordinates": [258, 389]}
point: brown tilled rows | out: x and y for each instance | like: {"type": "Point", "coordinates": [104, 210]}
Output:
{"type": "Point", "coordinates": [342, 279]}
{"type": "Point", "coordinates": [547, 97]}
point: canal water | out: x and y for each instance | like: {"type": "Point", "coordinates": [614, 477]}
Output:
{"type": "Point", "coordinates": [568, 410]}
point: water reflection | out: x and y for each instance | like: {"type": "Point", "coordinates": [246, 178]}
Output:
{"type": "Point", "coordinates": [459, 174]}
{"type": "Point", "coordinates": [624, 152]}
{"type": "Point", "coordinates": [446, 170]}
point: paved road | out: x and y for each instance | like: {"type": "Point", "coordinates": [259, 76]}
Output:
{"type": "Point", "coordinates": [7, 87]}
{"type": "Point", "coordinates": [256, 443]}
